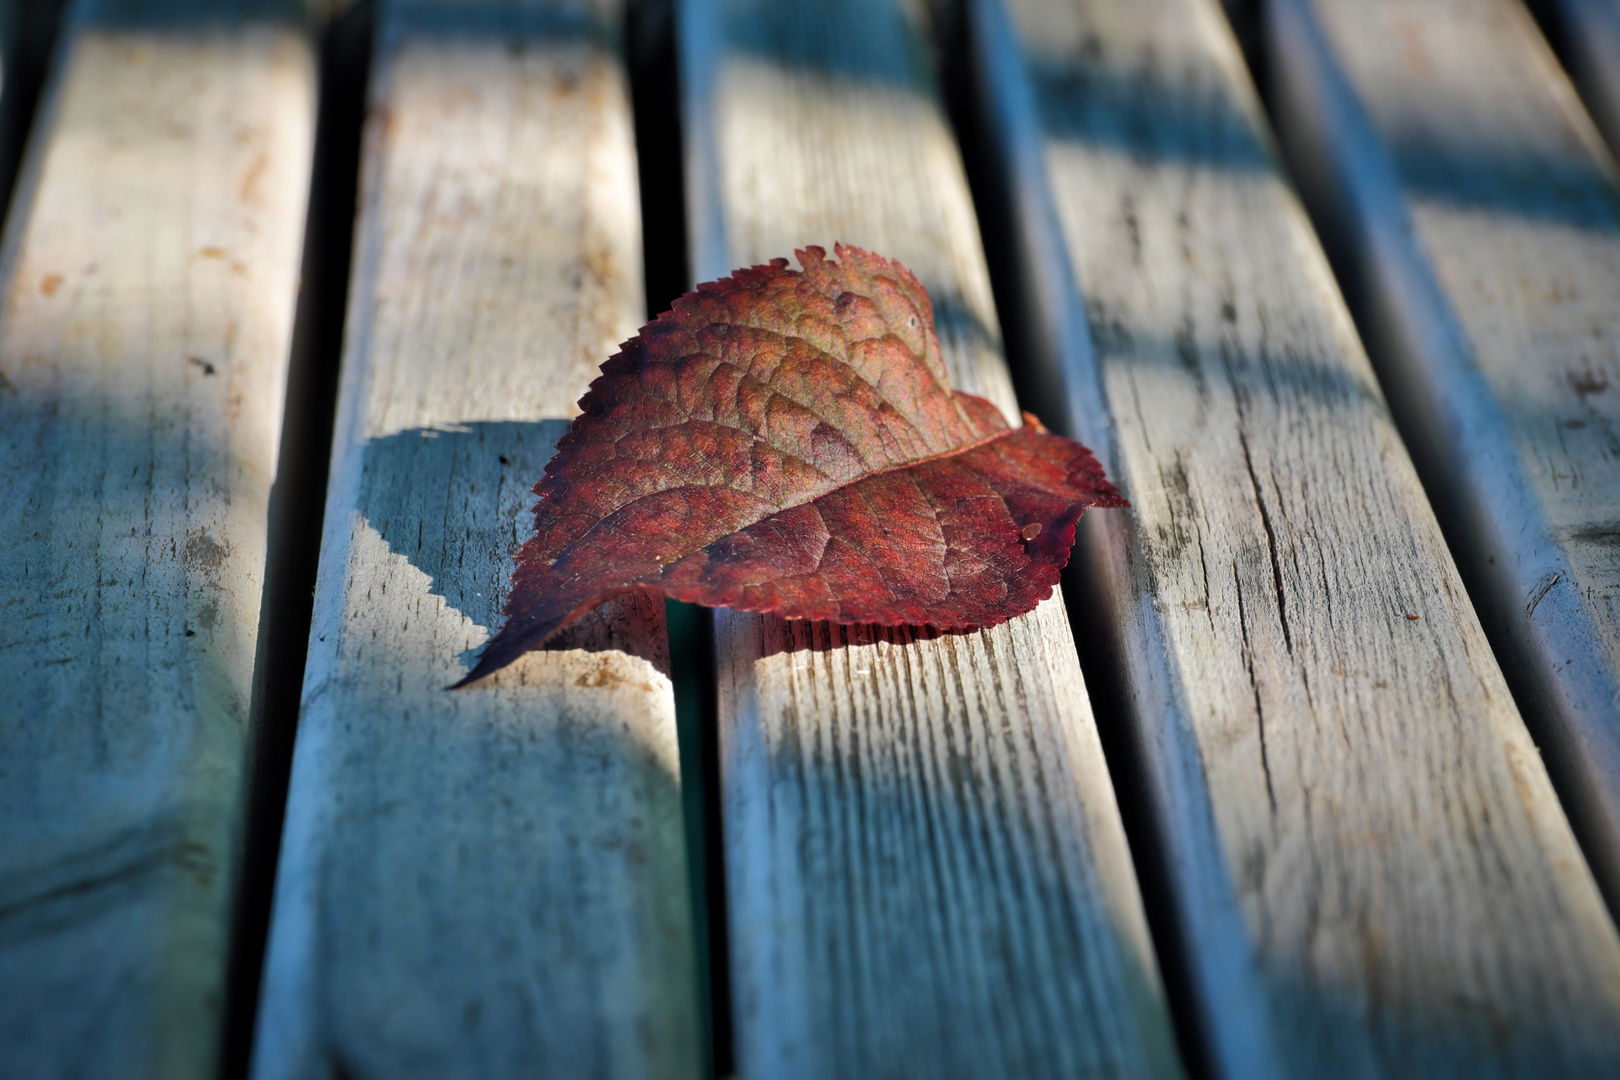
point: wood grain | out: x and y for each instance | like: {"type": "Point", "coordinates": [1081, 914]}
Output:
{"type": "Point", "coordinates": [150, 269]}
{"type": "Point", "coordinates": [1369, 872]}
{"type": "Point", "coordinates": [1480, 213]}
{"type": "Point", "coordinates": [926, 871]}
{"type": "Point", "coordinates": [490, 881]}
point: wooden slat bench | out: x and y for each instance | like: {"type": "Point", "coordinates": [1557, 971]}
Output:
{"type": "Point", "coordinates": [1282, 811]}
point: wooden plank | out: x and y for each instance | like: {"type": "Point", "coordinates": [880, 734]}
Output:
{"type": "Point", "coordinates": [1480, 220]}
{"type": "Point", "coordinates": [150, 268]}
{"type": "Point", "coordinates": [926, 871]}
{"type": "Point", "coordinates": [1368, 870]}
{"type": "Point", "coordinates": [491, 881]}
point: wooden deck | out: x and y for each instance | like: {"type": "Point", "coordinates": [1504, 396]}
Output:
{"type": "Point", "coordinates": [1311, 769]}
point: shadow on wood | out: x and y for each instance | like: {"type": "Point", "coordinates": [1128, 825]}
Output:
{"type": "Point", "coordinates": [491, 467]}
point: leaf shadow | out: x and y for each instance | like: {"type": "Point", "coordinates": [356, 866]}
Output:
{"type": "Point", "coordinates": [463, 530]}
{"type": "Point", "coordinates": [780, 636]}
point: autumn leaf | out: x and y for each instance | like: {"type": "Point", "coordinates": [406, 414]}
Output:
{"type": "Point", "coordinates": [788, 442]}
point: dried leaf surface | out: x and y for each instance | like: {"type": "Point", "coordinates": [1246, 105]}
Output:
{"type": "Point", "coordinates": [788, 442]}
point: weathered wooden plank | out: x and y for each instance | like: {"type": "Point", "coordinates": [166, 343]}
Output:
{"type": "Point", "coordinates": [150, 268]}
{"type": "Point", "coordinates": [491, 881]}
{"type": "Point", "coordinates": [1479, 216]}
{"type": "Point", "coordinates": [1369, 873]}
{"type": "Point", "coordinates": [926, 871]}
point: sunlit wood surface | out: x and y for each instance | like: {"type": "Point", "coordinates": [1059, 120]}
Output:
{"type": "Point", "coordinates": [491, 881]}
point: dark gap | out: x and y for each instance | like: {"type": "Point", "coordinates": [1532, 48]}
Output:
{"type": "Point", "coordinates": [1581, 60]}
{"type": "Point", "coordinates": [1334, 232]}
{"type": "Point", "coordinates": [27, 43]}
{"type": "Point", "coordinates": [1560, 33]}
{"type": "Point", "coordinates": [1102, 660]}
{"type": "Point", "coordinates": [655, 99]}
{"type": "Point", "coordinates": [297, 504]}
{"type": "Point", "coordinates": [992, 192]}
{"type": "Point", "coordinates": [691, 656]}
{"type": "Point", "coordinates": [1032, 359]}
{"type": "Point", "coordinates": [339, 1066]}
{"type": "Point", "coordinates": [1244, 17]}
{"type": "Point", "coordinates": [1549, 15]}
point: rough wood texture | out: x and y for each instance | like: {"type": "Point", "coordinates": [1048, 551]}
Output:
{"type": "Point", "coordinates": [150, 268]}
{"type": "Point", "coordinates": [489, 882]}
{"type": "Point", "coordinates": [926, 871]}
{"type": "Point", "coordinates": [1479, 218]}
{"type": "Point", "coordinates": [1369, 873]}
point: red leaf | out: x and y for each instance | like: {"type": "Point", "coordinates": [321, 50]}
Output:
{"type": "Point", "coordinates": [788, 442]}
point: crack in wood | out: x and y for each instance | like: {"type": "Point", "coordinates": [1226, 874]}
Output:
{"type": "Point", "coordinates": [1254, 686]}
{"type": "Point", "coordinates": [1271, 544]}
